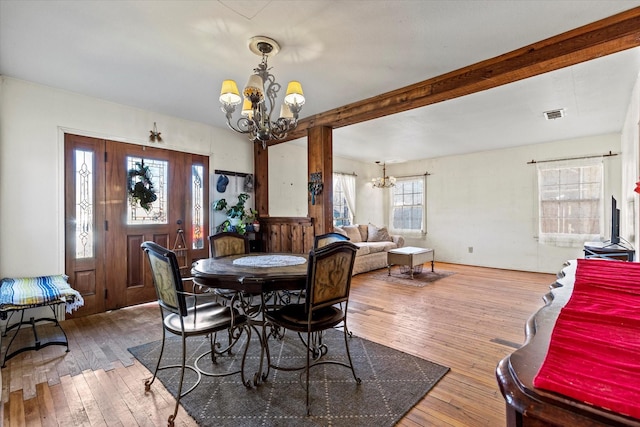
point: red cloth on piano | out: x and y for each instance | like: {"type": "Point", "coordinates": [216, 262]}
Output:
{"type": "Point", "coordinates": [594, 352]}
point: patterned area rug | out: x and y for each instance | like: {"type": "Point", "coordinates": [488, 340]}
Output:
{"type": "Point", "coordinates": [419, 280]}
{"type": "Point", "coordinates": [392, 383]}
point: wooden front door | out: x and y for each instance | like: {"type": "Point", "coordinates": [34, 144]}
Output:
{"type": "Point", "coordinates": [105, 227]}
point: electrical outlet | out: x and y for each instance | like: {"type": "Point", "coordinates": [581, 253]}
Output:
{"type": "Point", "coordinates": [470, 249]}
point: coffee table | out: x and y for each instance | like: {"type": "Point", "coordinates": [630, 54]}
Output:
{"type": "Point", "coordinates": [411, 257]}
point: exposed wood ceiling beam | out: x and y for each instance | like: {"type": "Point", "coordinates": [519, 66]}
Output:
{"type": "Point", "coordinates": [610, 35]}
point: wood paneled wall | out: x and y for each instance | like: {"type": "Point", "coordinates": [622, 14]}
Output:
{"type": "Point", "coordinates": [287, 234]}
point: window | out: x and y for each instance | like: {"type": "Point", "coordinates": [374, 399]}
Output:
{"type": "Point", "coordinates": [158, 212]}
{"type": "Point", "coordinates": [408, 204]}
{"type": "Point", "coordinates": [344, 198]}
{"type": "Point", "coordinates": [571, 203]}
{"type": "Point", "coordinates": [197, 211]}
{"type": "Point", "coordinates": [85, 182]}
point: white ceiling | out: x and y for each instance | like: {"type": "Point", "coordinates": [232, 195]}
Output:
{"type": "Point", "coordinates": [171, 56]}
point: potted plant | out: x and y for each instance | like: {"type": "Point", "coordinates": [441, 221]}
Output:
{"type": "Point", "coordinates": [235, 213]}
{"type": "Point", "coordinates": [251, 219]}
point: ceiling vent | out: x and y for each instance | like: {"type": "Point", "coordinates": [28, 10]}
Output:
{"type": "Point", "coordinates": [554, 114]}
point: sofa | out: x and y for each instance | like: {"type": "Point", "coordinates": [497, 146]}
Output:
{"type": "Point", "coordinates": [373, 244]}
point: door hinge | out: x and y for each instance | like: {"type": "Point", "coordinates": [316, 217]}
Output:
{"type": "Point", "coordinates": [106, 226]}
{"type": "Point", "coordinates": [105, 157]}
{"type": "Point", "coordinates": [106, 293]}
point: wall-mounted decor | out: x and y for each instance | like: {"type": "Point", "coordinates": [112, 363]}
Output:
{"type": "Point", "coordinates": [154, 135]}
{"type": "Point", "coordinates": [315, 186]}
{"type": "Point", "coordinates": [248, 183]}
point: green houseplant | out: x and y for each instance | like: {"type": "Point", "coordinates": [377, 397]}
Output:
{"type": "Point", "coordinates": [251, 220]}
{"type": "Point", "coordinates": [235, 214]}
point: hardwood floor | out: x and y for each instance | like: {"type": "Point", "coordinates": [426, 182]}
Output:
{"type": "Point", "coordinates": [467, 321]}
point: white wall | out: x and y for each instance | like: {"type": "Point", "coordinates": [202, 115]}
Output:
{"type": "Point", "coordinates": [33, 119]}
{"type": "Point", "coordinates": [288, 188]}
{"type": "Point", "coordinates": [485, 200]}
{"type": "Point", "coordinates": [488, 201]}
{"type": "Point", "coordinates": [288, 178]}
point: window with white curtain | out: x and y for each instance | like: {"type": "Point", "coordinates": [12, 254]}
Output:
{"type": "Point", "coordinates": [344, 198]}
{"type": "Point", "coordinates": [571, 201]}
{"type": "Point", "coordinates": [408, 205]}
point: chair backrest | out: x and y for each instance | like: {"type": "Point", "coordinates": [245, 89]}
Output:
{"type": "Point", "coordinates": [166, 277]}
{"type": "Point", "coordinates": [329, 274]}
{"type": "Point", "coordinates": [228, 243]}
{"type": "Point", "coordinates": [328, 238]}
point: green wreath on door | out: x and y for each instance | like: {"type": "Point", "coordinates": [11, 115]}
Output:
{"type": "Point", "coordinates": [141, 187]}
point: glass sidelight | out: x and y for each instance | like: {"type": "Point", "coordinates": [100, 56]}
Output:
{"type": "Point", "coordinates": [197, 214]}
{"type": "Point", "coordinates": [84, 183]}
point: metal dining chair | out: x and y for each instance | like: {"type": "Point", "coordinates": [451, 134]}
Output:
{"type": "Point", "coordinates": [324, 240]}
{"type": "Point", "coordinates": [328, 286]}
{"type": "Point", "coordinates": [319, 242]}
{"type": "Point", "coordinates": [190, 319]}
{"type": "Point", "coordinates": [228, 243]}
{"type": "Point", "coordinates": [327, 238]}
{"type": "Point", "coordinates": [223, 244]}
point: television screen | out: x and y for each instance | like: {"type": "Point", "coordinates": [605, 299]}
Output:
{"type": "Point", "coordinates": [615, 222]}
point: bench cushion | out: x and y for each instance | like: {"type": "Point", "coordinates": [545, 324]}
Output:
{"type": "Point", "coordinates": [24, 292]}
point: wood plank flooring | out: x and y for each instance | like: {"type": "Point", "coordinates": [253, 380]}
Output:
{"type": "Point", "coordinates": [467, 321]}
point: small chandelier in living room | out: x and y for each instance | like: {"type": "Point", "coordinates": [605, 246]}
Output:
{"type": "Point", "coordinates": [255, 120]}
{"type": "Point", "coordinates": [384, 181]}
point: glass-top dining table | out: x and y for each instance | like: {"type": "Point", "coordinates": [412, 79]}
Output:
{"type": "Point", "coordinates": [268, 276]}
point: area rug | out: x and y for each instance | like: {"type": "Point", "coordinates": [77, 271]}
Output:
{"type": "Point", "coordinates": [392, 383]}
{"type": "Point", "coordinates": [419, 280]}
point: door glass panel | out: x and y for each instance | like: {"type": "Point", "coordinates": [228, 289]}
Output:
{"type": "Point", "coordinates": [157, 214]}
{"type": "Point", "coordinates": [197, 193]}
{"type": "Point", "coordinates": [84, 235]}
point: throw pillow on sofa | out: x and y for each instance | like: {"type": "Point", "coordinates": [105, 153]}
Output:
{"type": "Point", "coordinates": [340, 230]}
{"type": "Point", "coordinates": [378, 234]}
{"type": "Point", "coordinates": [353, 233]}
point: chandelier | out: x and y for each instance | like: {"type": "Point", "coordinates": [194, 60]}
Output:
{"type": "Point", "coordinates": [255, 120]}
{"type": "Point", "coordinates": [384, 181]}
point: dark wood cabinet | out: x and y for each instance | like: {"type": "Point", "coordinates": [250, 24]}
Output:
{"type": "Point", "coordinates": [529, 406]}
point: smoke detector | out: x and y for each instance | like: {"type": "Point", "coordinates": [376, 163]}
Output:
{"type": "Point", "coordinates": [554, 114]}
